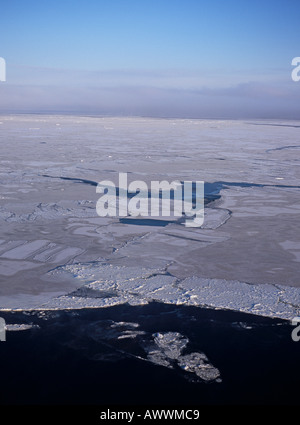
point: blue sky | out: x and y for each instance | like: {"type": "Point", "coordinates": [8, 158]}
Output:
{"type": "Point", "coordinates": [168, 58]}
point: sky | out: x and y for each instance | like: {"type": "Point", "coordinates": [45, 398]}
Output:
{"type": "Point", "coordinates": [166, 58]}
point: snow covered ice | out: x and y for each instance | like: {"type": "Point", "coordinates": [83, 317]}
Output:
{"type": "Point", "coordinates": [56, 253]}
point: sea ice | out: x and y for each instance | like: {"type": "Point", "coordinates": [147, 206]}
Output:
{"type": "Point", "coordinates": [55, 252]}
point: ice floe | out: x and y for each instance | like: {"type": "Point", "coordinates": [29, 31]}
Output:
{"type": "Point", "coordinates": [104, 285]}
{"type": "Point", "coordinates": [55, 253]}
{"type": "Point", "coordinates": [167, 350]}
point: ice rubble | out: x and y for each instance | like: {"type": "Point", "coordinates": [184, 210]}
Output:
{"type": "Point", "coordinates": [167, 351]}
{"type": "Point", "coordinates": [117, 340]}
{"type": "Point", "coordinates": [104, 285]}
{"type": "Point", "coordinates": [14, 327]}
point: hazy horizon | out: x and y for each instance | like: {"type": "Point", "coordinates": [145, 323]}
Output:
{"type": "Point", "coordinates": [161, 59]}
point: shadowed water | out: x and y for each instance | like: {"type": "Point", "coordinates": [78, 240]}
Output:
{"type": "Point", "coordinates": [106, 357]}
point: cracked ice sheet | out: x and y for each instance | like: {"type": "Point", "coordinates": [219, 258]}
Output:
{"type": "Point", "coordinates": [113, 285]}
{"type": "Point", "coordinates": [14, 213]}
{"type": "Point", "coordinates": [262, 218]}
{"type": "Point", "coordinates": [265, 300]}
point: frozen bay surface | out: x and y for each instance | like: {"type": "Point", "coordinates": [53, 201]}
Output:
{"type": "Point", "coordinates": [57, 253]}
